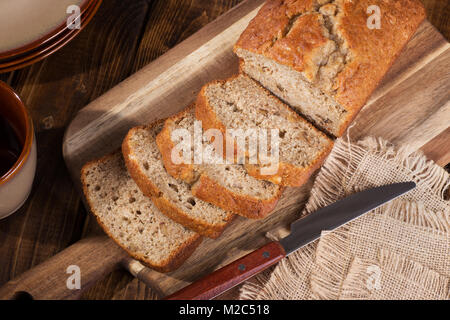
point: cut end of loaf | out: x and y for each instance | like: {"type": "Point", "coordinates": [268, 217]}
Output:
{"type": "Point", "coordinates": [291, 87]}
{"type": "Point", "coordinates": [241, 103]}
{"type": "Point", "coordinates": [131, 219]}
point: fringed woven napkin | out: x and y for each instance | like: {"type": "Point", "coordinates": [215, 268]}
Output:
{"type": "Point", "coordinates": [398, 251]}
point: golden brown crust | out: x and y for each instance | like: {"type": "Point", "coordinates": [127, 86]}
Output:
{"type": "Point", "coordinates": [272, 22]}
{"type": "Point", "coordinates": [291, 32]}
{"type": "Point", "coordinates": [287, 175]}
{"type": "Point", "coordinates": [373, 51]}
{"type": "Point", "coordinates": [307, 39]}
{"type": "Point", "coordinates": [172, 262]}
{"type": "Point", "coordinates": [290, 175]}
{"type": "Point", "coordinates": [181, 255]}
{"type": "Point", "coordinates": [174, 213]}
{"type": "Point", "coordinates": [205, 114]}
{"type": "Point", "coordinates": [149, 189]}
{"type": "Point", "coordinates": [165, 144]}
{"type": "Point", "coordinates": [241, 66]}
{"type": "Point", "coordinates": [209, 190]}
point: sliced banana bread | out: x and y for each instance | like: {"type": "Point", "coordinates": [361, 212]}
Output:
{"type": "Point", "coordinates": [227, 186]}
{"type": "Point", "coordinates": [173, 197]}
{"type": "Point", "coordinates": [241, 103]}
{"type": "Point", "coordinates": [325, 57]}
{"type": "Point", "coordinates": [131, 219]}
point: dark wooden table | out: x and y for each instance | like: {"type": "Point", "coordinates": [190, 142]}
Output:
{"type": "Point", "coordinates": [124, 36]}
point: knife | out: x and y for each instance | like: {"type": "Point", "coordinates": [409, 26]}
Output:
{"type": "Point", "coordinates": [303, 232]}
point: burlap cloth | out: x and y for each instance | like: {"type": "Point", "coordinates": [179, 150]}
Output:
{"type": "Point", "coordinates": [399, 251]}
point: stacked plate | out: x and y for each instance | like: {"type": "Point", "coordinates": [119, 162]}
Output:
{"type": "Point", "coordinates": [31, 30]}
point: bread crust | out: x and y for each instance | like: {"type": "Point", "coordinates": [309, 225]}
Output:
{"type": "Point", "coordinates": [208, 189]}
{"type": "Point", "coordinates": [182, 171]}
{"type": "Point", "coordinates": [282, 26]}
{"type": "Point", "coordinates": [287, 175]}
{"type": "Point", "coordinates": [175, 259]}
{"type": "Point", "coordinates": [149, 189]}
{"type": "Point", "coordinates": [291, 175]}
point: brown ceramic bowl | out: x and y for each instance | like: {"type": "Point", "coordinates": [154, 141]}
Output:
{"type": "Point", "coordinates": [43, 40]}
{"type": "Point", "coordinates": [16, 183]}
{"type": "Point", "coordinates": [51, 47]}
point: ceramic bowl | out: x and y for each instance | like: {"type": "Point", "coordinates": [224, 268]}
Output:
{"type": "Point", "coordinates": [16, 184]}
{"type": "Point", "coordinates": [39, 39]}
{"type": "Point", "coordinates": [36, 54]}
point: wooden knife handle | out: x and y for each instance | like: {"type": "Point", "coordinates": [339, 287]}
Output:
{"type": "Point", "coordinates": [232, 274]}
{"type": "Point", "coordinates": [95, 257]}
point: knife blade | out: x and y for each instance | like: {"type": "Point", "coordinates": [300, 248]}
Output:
{"type": "Point", "coordinates": [303, 232]}
{"type": "Point", "coordinates": [308, 229]}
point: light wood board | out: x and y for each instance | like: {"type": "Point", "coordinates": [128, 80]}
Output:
{"type": "Point", "coordinates": [411, 106]}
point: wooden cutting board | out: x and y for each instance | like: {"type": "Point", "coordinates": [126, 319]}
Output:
{"type": "Point", "coordinates": [411, 106]}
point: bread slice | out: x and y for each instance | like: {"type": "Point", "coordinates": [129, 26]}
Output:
{"type": "Point", "coordinates": [321, 57]}
{"type": "Point", "coordinates": [241, 103]}
{"type": "Point", "coordinates": [173, 197]}
{"type": "Point", "coordinates": [227, 186]}
{"type": "Point", "coordinates": [131, 219]}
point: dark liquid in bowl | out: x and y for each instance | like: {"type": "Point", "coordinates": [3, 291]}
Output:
{"type": "Point", "coordinates": [10, 146]}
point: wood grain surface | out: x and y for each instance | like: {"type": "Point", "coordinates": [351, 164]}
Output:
{"type": "Point", "coordinates": [124, 36]}
{"type": "Point", "coordinates": [231, 275]}
{"type": "Point", "coordinates": [409, 107]}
